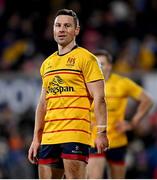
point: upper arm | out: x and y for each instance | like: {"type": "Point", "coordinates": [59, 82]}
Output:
{"type": "Point", "coordinates": [144, 97]}
{"type": "Point", "coordinates": [96, 89]}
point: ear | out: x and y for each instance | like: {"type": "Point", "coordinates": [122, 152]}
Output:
{"type": "Point", "coordinates": [110, 66]}
{"type": "Point", "coordinates": [77, 30]}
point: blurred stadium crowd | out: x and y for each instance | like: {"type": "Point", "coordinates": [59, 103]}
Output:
{"type": "Point", "coordinates": [127, 28]}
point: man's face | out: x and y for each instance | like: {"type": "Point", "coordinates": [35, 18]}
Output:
{"type": "Point", "coordinates": [104, 64]}
{"type": "Point", "coordinates": [64, 30]}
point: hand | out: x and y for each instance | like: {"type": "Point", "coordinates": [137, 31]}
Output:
{"type": "Point", "coordinates": [101, 142]}
{"type": "Point", "coordinates": [123, 126]}
{"type": "Point", "coordinates": [32, 153]}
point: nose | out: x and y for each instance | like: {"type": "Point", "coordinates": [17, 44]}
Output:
{"type": "Point", "coordinates": [62, 28]}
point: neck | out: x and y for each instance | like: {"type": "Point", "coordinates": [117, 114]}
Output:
{"type": "Point", "coordinates": [66, 49]}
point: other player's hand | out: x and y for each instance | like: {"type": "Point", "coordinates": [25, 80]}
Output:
{"type": "Point", "coordinates": [123, 126]}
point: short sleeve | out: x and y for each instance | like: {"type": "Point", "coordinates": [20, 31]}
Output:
{"type": "Point", "coordinates": [42, 75]}
{"type": "Point", "coordinates": [42, 70]}
{"type": "Point", "coordinates": [91, 69]}
{"type": "Point", "coordinates": [133, 89]}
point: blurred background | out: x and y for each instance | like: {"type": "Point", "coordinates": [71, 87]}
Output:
{"type": "Point", "coordinates": [127, 28]}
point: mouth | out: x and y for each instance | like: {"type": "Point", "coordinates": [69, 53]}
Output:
{"type": "Point", "coordinates": [62, 36]}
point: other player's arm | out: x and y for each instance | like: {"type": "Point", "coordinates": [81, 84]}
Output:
{"type": "Point", "coordinates": [38, 128]}
{"type": "Point", "coordinates": [96, 90]}
{"type": "Point", "coordinates": [145, 104]}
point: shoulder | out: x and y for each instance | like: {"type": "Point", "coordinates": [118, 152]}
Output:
{"type": "Point", "coordinates": [127, 82]}
{"type": "Point", "coordinates": [49, 58]}
{"type": "Point", "coordinates": [86, 54]}
{"type": "Point", "coordinates": [117, 77]}
{"type": "Point", "coordinates": [120, 79]}
{"type": "Point", "coordinates": [47, 63]}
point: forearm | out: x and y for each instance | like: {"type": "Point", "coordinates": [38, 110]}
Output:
{"type": "Point", "coordinates": [101, 124]}
{"type": "Point", "coordinates": [39, 122]}
{"type": "Point", "coordinates": [100, 113]}
{"type": "Point", "coordinates": [96, 90]}
{"type": "Point", "coordinates": [142, 110]}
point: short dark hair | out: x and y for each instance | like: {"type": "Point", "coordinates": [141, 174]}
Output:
{"type": "Point", "coordinates": [102, 52]}
{"type": "Point", "coordinates": [68, 12]}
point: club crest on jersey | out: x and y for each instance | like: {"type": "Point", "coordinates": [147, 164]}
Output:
{"type": "Point", "coordinates": [71, 61]}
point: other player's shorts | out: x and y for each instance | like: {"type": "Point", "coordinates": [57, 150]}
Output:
{"type": "Point", "coordinates": [53, 154]}
{"type": "Point", "coordinates": [113, 155]}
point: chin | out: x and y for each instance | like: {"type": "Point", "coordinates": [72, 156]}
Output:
{"type": "Point", "coordinates": [62, 44]}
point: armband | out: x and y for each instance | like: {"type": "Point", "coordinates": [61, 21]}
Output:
{"type": "Point", "coordinates": [101, 126]}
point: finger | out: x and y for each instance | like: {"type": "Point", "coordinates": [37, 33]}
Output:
{"type": "Point", "coordinates": [34, 152]}
{"type": "Point", "coordinates": [100, 149]}
{"type": "Point", "coordinates": [106, 148]}
{"type": "Point", "coordinates": [31, 156]}
{"type": "Point", "coordinates": [35, 159]}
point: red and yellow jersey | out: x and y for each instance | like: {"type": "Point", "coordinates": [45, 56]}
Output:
{"type": "Point", "coordinates": [117, 91]}
{"type": "Point", "coordinates": [68, 102]}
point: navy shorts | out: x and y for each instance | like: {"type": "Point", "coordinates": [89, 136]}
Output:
{"type": "Point", "coordinates": [113, 155]}
{"type": "Point", "coordinates": [54, 153]}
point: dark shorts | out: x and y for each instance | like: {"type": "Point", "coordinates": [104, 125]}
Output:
{"type": "Point", "coordinates": [113, 155]}
{"type": "Point", "coordinates": [53, 154]}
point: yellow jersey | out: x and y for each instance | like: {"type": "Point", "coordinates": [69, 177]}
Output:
{"type": "Point", "coordinates": [117, 91]}
{"type": "Point", "coordinates": [68, 101]}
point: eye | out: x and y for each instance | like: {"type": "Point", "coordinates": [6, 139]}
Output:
{"type": "Point", "coordinates": [67, 25]}
{"type": "Point", "coordinates": [57, 25]}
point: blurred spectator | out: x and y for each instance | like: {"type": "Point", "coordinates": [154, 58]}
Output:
{"type": "Point", "coordinates": [146, 57]}
{"type": "Point", "coordinates": [2, 7]}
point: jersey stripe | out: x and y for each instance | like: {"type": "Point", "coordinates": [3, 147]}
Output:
{"type": "Point", "coordinates": [67, 96]}
{"type": "Point", "coordinates": [63, 70]}
{"type": "Point", "coordinates": [72, 107]}
{"type": "Point", "coordinates": [67, 119]}
{"type": "Point", "coordinates": [66, 130]}
{"type": "Point", "coordinates": [62, 73]}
